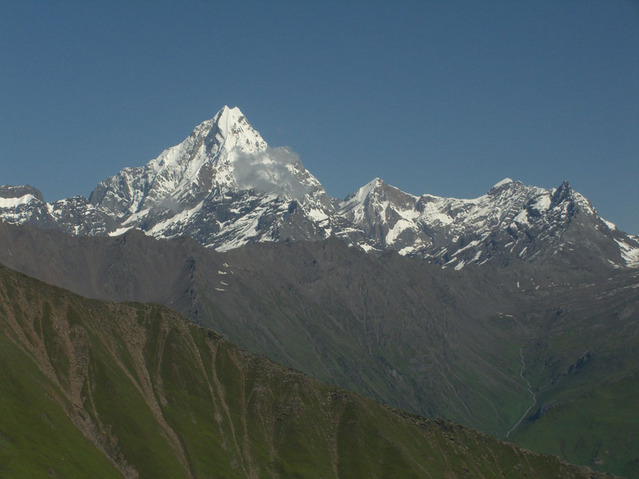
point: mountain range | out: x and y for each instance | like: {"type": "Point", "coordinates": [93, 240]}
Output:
{"type": "Point", "coordinates": [225, 187]}
{"type": "Point", "coordinates": [513, 313]}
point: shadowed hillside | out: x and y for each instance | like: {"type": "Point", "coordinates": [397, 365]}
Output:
{"type": "Point", "coordinates": [544, 355]}
{"type": "Point", "coordinates": [130, 390]}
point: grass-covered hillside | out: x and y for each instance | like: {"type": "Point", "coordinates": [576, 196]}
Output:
{"type": "Point", "coordinates": [95, 389]}
{"type": "Point", "coordinates": [545, 355]}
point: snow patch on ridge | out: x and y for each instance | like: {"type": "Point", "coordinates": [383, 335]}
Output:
{"type": "Point", "coordinates": [629, 253]}
{"type": "Point", "coordinates": [397, 230]}
{"type": "Point", "coordinates": [120, 231]}
{"type": "Point", "coordinates": [177, 219]}
{"type": "Point", "coordinates": [503, 182]}
{"type": "Point", "coordinates": [542, 204]}
{"type": "Point", "coordinates": [6, 203]}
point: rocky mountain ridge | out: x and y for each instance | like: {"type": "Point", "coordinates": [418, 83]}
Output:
{"type": "Point", "coordinates": [225, 187]}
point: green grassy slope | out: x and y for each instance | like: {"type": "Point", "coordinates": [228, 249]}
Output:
{"type": "Point", "coordinates": [584, 366]}
{"type": "Point", "coordinates": [436, 342]}
{"type": "Point", "coordinates": [37, 437]}
{"type": "Point", "coordinates": [130, 390]}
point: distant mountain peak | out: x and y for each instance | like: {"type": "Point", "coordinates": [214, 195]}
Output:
{"type": "Point", "coordinates": [564, 191]}
{"type": "Point", "coordinates": [507, 186]}
{"type": "Point", "coordinates": [18, 192]}
{"type": "Point", "coordinates": [201, 163]}
{"type": "Point", "coordinates": [225, 187]}
{"type": "Point", "coordinates": [230, 121]}
{"type": "Point", "coordinates": [375, 186]}
{"type": "Point", "coordinates": [504, 182]}
{"type": "Point", "coordinates": [365, 190]}
{"type": "Point", "coordinates": [228, 129]}
{"type": "Point", "coordinates": [227, 110]}
{"type": "Point", "coordinates": [227, 113]}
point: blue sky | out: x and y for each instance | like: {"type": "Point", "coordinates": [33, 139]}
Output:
{"type": "Point", "coordinates": [441, 97]}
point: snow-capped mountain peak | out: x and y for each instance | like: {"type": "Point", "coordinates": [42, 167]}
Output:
{"type": "Point", "coordinates": [14, 196]}
{"type": "Point", "coordinates": [224, 186]}
{"type": "Point", "coordinates": [199, 164]}
{"type": "Point", "coordinates": [219, 185]}
{"type": "Point", "coordinates": [230, 129]}
{"type": "Point", "coordinates": [504, 182]}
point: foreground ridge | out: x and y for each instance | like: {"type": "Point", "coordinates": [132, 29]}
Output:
{"type": "Point", "coordinates": [133, 390]}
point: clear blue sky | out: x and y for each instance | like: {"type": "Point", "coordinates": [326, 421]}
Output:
{"type": "Point", "coordinates": [441, 97]}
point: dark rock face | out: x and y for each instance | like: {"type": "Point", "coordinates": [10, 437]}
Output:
{"type": "Point", "coordinates": [7, 191]}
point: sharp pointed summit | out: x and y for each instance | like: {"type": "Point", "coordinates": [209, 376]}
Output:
{"type": "Point", "coordinates": [228, 116]}
{"type": "Point", "coordinates": [185, 171]}
{"type": "Point", "coordinates": [229, 128]}
{"type": "Point", "coordinates": [224, 186]}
